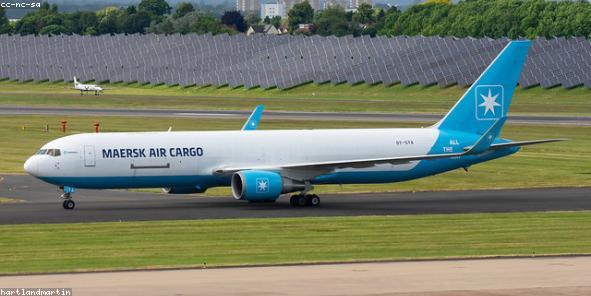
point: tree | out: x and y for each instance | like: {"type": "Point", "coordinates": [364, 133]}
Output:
{"type": "Point", "coordinates": [267, 20]}
{"type": "Point", "coordinates": [134, 22]}
{"type": "Point", "coordinates": [34, 22]}
{"type": "Point", "coordinates": [364, 14]}
{"type": "Point", "coordinates": [53, 30]}
{"type": "Point", "coordinates": [4, 24]}
{"type": "Point", "coordinates": [301, 13]}
{"type": "Point", "coordinates": [252, 19]}
{"type": "Point", "coordinates": [333, 21]}
{"type": "Point", "coordinates": [437, 2]}
{"type": "Point", "coordinates": [276, 21]}
{"type": "Point", "coordinates": [193, 22]}
{"type": "Point", "coordinates": [182, 9]}
{"type": "Point", "coordinates": [207, 23]}
{"type": "Point", "coordinates": [108, 23]}
{"type": "Point", "coordinates": [155, 7]}
{"type": "Point", "coordinates": [234, 19]}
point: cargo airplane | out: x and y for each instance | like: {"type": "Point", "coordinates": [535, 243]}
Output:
{"type": "Point", "coordinates": [261, 165]}
{"type": "Point", "coordinates": [87, 87]}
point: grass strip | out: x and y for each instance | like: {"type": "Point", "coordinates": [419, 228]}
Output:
{"type": "Point", "coordinates": [160, 244]}
{"type": "Point", "coordinates": [308, 97]}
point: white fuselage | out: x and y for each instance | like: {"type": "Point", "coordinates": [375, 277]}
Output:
{"type": "Point", "coordinates": [87, 87]}
{"type": "Point", "coordinates": [191, 159]}
{"type": "Point", "coordinates": [135, 156]}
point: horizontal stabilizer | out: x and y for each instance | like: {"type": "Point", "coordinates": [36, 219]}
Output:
{"type": "Point", "coordinates": [523, 143]}
{"type": "Point", "coordinates": [487, 138]}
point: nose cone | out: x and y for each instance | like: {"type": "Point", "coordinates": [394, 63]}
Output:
{"type": "Point", "coordinates": [32, 166]}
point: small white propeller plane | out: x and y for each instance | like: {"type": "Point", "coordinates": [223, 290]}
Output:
{"type": "Point", "coordinates": [87, 87]}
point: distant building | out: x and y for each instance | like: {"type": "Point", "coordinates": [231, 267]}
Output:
{"type": "Point", "coordinates": [342, 3]}
{"type": "Point", "coordinates": [248, 5]}
{"type": "Point", "coordinates": [266, 29]}
{"type": "Point", "coordinates": [305, 28]}
{"type": "Point", "coordinates": [356, 3]}
{"type": "Point", "coordinates": [316, 5]}
{"type": "Point", "coordinates": [272, 10]}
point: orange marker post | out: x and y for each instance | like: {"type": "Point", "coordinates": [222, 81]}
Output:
{"type": "Point", "coordinates": [64, 125]}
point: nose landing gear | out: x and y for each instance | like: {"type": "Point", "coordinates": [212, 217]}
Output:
{"type": "Point", "coordinates": [68, 203]}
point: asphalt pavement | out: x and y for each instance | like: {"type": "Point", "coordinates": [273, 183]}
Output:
{"type": "Point", "coordinates": [39, 202]}
{"type": "Point", "coordinates": [406, 117]}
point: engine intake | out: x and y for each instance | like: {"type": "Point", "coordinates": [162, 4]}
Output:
{"type": "Point", "coordinates": [262, 185]}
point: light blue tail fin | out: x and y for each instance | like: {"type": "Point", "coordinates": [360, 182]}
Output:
{"type": "Point", "coordinates": [487, 101]}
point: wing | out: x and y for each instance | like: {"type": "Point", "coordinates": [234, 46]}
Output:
{"type": "Point", "coordinates": [304, 171]}
{"type": "Point", "coordinates": [307, 171]}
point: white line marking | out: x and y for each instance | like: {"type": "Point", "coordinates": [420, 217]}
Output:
{"type": "Point", "coordinates": [205, 114]}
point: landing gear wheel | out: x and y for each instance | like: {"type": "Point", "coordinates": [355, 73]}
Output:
{"type": "Point", "coordinates": [293, 201]}
{"type": "Point", "coordinates": [313, 200]}
{"type": "Point", "coordinates": [69, 204]}
{"type": "Point", "coordinates": [302, 201]}
{"type": "Point", "coordinates": [298, 201]}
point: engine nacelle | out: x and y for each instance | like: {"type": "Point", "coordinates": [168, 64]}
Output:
{"type": "Point", "coordinates": [262, 185]}
{"type": "Point", "coordinates": [184, 190]}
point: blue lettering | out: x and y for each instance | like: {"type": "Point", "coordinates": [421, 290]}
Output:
{"type": "Point", "coordinates": [107, 153]}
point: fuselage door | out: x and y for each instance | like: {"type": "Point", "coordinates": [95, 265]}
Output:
{"type": "Point", "coordinates": [89, 156]}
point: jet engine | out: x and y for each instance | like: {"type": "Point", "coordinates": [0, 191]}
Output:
{"type": "Point", "coordinates": [262, 185]}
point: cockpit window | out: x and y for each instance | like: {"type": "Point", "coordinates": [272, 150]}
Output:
{"type": "Point", "coordinates": [53, 152]}
{"type": "Point", "coordinates": [50, 152]}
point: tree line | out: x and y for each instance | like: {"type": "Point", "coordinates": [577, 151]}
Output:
{"type": "Point", "coordinates": [476, 18]}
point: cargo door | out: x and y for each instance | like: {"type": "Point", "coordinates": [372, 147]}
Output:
{"type": "Point", "coordinates": [89, 156]}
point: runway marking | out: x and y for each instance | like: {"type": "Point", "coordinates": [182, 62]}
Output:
{"type": "Point", "coordinates": [205, 114]}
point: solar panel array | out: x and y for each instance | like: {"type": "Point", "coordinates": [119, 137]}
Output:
{"type": "Point", "coordinates": [270, 61]}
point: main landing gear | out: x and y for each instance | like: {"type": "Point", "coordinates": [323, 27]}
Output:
{"type": "Point", "coordinates": [306, 200]}
{"type": "Point", "coordinates": [68, 203]}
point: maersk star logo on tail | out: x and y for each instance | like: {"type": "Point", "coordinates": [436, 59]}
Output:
{"type": "Point", "coordinates": [262, 185]}
{"type": "Point", "coordinates": [489, 102]}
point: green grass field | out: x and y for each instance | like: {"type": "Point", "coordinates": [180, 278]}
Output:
{"type": "Point", "coordinates": [548, 165]}
{"type": "Point", "coordinates": [158, 244]}
{"type": "Point", "coordinates": [309, 97]}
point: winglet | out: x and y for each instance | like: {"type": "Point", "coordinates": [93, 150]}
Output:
{"type": "Point", "coordinates": [484, 143]}
{"type": "Point", "coordinates": [253, 120]}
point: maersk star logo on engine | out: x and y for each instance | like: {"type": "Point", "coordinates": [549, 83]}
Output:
{"type": "Point", "coordinates": [262, 185]}
{"type": "Point", "coordinates": [489, 102]}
